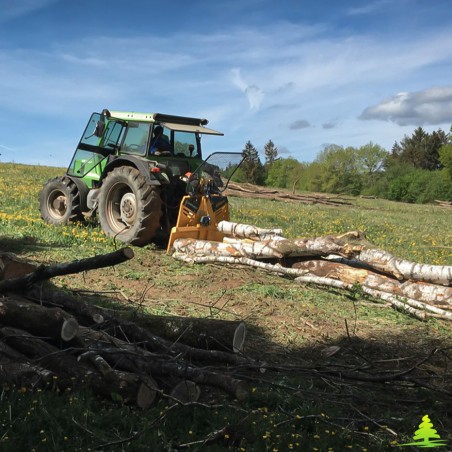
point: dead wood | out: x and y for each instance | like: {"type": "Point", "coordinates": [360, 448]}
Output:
{"type": "Point", "coordinates": [186, 391]}
{"type": "Point", "coordinates": [125, 329]}
{"type": "Point", "coordinates": [437, 295]}
{"type": "Point", "coordinates": [48, 337]}
{"type": "Point", "coordinates": [351, 245]}
{"type": "Point", "coordinates": [258, 192]}
{"type": "Point", "coordinates": [205, 333]}
{"type": "Point", "coordinates": [419, 289]}
{"type": "Point", "coordinates": [38, 320]}
{"type": "Point", "coordinates": [46, 272]}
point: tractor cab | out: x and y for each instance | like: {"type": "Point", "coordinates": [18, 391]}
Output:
{"type": "Point", "coordinates": [132, 170]}
{"type": "Point", "coordinates": [109, 135]}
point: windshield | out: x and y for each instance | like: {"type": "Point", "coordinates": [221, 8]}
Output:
{"type": "Point", "coordinates": [219, 168]}
{"type": "Point", "coordinates": [98, 141]}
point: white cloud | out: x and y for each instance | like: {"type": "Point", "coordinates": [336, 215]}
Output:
{"type": "Point", "coordinates": [249, 82]}
{"type": "Point", "coordinates": [17, 8]}
{"type": "Point", "coordinates": [368, 8]}
{"type": "Point", "coordinates": [431, 106]}
{"type": "Point", "coordinates": [253, 93]}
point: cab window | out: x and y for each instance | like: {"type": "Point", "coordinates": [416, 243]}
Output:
{"type": "Point", "coordinates": [136, 139]}
{"type": "Point", "coordinates": [186, 144]}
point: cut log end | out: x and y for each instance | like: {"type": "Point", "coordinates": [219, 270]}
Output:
{"type": "Point", "coordinates": [186, 391]}
{"type": "Point", "coordinates": [239, 338]}
{"type": "Point", "coordinates": [241, 392]}
{"type": "Point", "coordinates": [69, 329]}
{"type": "Point", "coordinates": [128, 252]}
{"type": "Point", "coordinates": [147, 394]}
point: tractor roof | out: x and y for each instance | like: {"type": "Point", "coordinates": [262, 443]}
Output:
{"type": "Point", "coordinates": [173, 122]}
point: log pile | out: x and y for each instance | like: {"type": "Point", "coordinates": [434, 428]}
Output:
{"type": "Point", "coordinates": [255, 191]}
{"type": "Point", "coordinates": [347, 261]}
{"type": "Point", "coordinates": [51, 339]}
{"type": "Point", "coordinates": [443, 203]}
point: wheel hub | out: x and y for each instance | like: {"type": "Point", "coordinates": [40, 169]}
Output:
{"type": "Point", "coordinates": [128, 208]}
{"type": "Point", "coordinates": [59, 204]}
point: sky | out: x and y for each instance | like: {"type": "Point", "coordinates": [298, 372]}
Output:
{"type": "Point", "coordinates": [302, 73]}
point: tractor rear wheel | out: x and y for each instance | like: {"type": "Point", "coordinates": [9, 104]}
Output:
{"type": "Point", "coordinates": [129, 208]}
{"type": "Point", "coordinates": [59, 201]}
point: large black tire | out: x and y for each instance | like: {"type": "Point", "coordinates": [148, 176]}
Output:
{"type": "Point", "coordinates": [129, 208]}
{"type": "Point", "coordinates": [59, 201]}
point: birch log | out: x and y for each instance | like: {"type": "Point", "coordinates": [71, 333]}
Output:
{"type": "Point", "coordinates": [247, 231]}
{"type": "Point", "coordinates": [402, 269]}
{"type": "Point", "coordinates": [438, 295]}
{"type": "Point", "coordinates": [351, 245]}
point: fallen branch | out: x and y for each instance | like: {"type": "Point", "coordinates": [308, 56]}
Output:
{"type": "Point", "coordinates": [46, 272]}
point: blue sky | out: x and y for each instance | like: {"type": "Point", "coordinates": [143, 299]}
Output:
{"type": "Point", "coordinates": [301, 73]}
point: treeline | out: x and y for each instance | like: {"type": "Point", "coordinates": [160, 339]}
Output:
{"type": "Point", "coordinates": [418, 169]}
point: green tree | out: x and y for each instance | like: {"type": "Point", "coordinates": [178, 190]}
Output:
{"type": "Point", "coordinates": [271, 152]}
{"type": "Point", "coordinates": [252, 167]}
{"type": "Point", "coordinates": [284, 173]}
{"type": "Point", "coordinates": [371, 158]}
{"type": "Point", "coordinates": [445, 158]}
{"type": "Point", "coordinates": [341, 173]}
{"type": "Point", "coordinates": [421, 149]}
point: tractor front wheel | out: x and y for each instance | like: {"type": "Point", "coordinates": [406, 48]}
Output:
{"type": "Point", "coordinates": [129, 208]}
{"type": "Point", "coordinates": [59, 201]}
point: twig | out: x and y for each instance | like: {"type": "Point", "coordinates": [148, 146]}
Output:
{"type": "Point", "coordinates": [384, 427]}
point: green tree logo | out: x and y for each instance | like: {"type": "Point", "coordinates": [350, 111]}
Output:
{"type": "Point", "coordinates": [426, 435]}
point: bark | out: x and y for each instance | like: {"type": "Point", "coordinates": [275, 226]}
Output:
{"type": "Point", "coordinates": [46, 272]}
{"type": "Point", "coordinates": [343, 245]}
{"type": "Point", "coordinates": [395, 302]}
{"type": "Point", "coordinates": [440, 296]}
{"type": "Point", "coordinates": [402, 269]}
{"type": "Point", "coordinates": [206, 333]}
{"type": "Point", "coordinates": [131, 330]}
{"type": "Point", "coordinates": [70, 372]}
{"type": "Point", "coordinates": [38, 320]}
{"type": "Point", "coordinates": [415, 288]}
{"type": "Point", "coordinates": [247, 231]}
{"type": "Point", "coordinates": [351, 245]}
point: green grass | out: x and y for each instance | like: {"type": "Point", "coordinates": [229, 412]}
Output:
{"type": "Point", "coordinates": [291, 323]}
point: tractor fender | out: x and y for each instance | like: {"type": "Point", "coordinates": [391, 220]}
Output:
{"type": "Point", "coordinates": [82, 190]}
{"type": "Point", "coordinates": [140, 163]}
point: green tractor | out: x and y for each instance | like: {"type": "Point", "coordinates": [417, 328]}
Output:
{"type": "Point", "coordinates": [133, 170]}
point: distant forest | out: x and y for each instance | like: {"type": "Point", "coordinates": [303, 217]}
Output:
{"type": "Point", "coordinates": [417, 170]}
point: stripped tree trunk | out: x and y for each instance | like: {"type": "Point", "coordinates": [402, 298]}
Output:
{"type": "Point", "coordinates": [351, 245]}
{"type": "Point", "coordinates": [415, 288]}
{"type": "Point", "coordinates": [438, 295]}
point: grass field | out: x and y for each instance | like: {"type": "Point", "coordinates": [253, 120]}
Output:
{"type": "Point", "coordinates": [288, 324]}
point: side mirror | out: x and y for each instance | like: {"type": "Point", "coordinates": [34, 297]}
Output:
{"type": "Point", "coordinates": [99, 130]}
